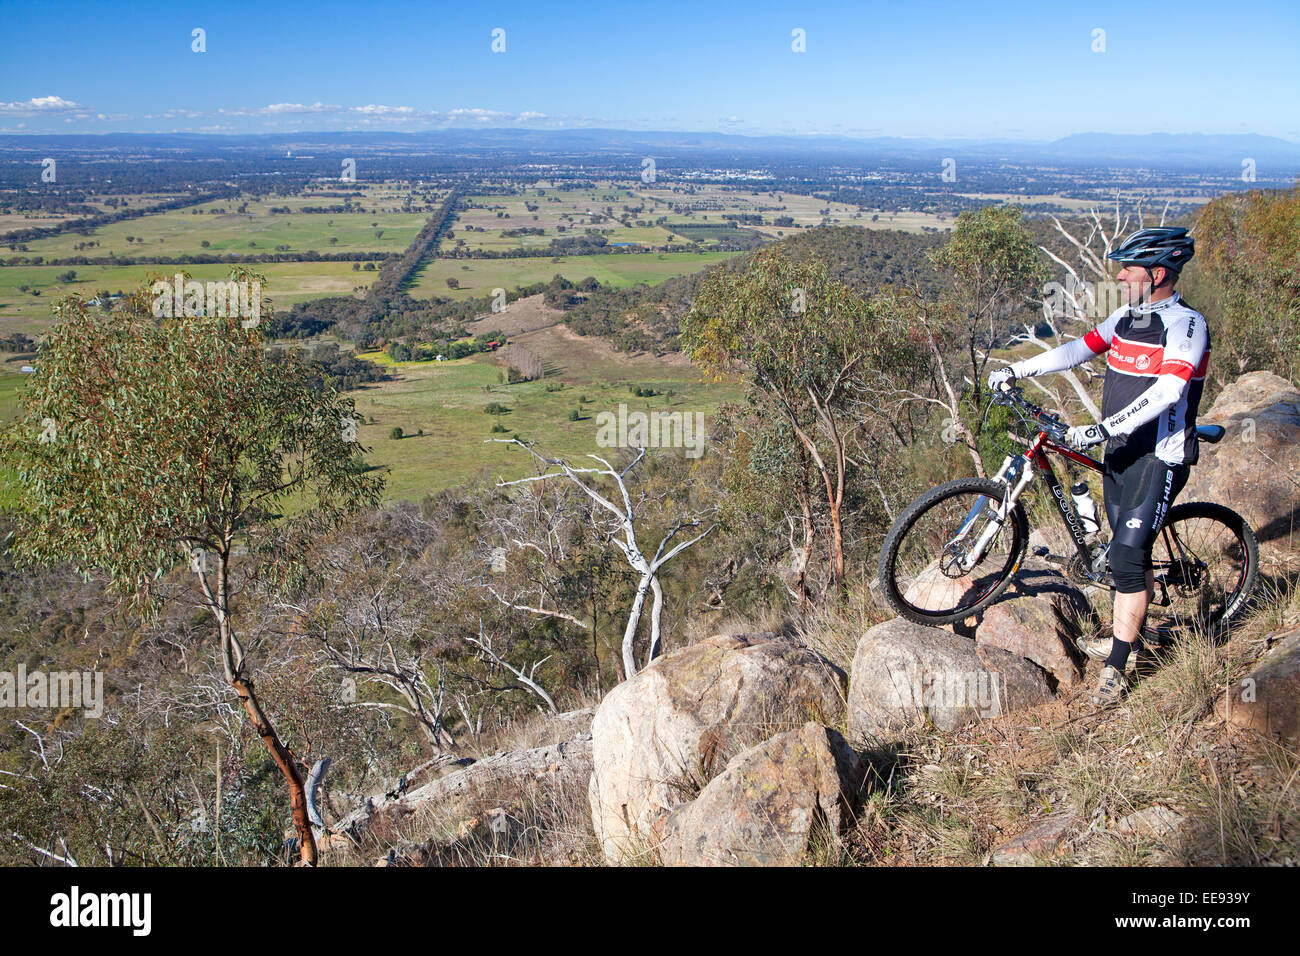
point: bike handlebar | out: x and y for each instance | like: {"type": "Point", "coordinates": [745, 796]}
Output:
{"type": "Point", "coordinates": [1049, 423]}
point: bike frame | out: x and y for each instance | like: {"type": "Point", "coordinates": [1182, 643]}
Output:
{"type": "Point", "coordinates": [1017, 475]}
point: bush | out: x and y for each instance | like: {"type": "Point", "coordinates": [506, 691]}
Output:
{"type": "Point", "coordinates": [575, 415]}
{"type": "Point", "coordinates": [396, 433]}
{"type": "Point", "coordinates": [500, 429]}
{"type": "Point", "coordinates": [496, 408]}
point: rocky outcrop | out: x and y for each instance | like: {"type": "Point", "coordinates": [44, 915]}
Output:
{"type": "Point", "coordinates": [1255, 469]}
{"type": "Point", "coordinates": [474, 784]}
{"type": "Point", "coordinates": [1268, 698]}
{"type": "Point", "coordinates": [769, 802]}
{"type": "Point", "coordinates": [905, 672]}
{"type": "Point", "coordinates": [669, 730]}
{"type": "Point", "coordinates": [1039, 618]}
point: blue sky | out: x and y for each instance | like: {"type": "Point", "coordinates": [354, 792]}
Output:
{"type": "Point", "coordinates": [1017, 70]}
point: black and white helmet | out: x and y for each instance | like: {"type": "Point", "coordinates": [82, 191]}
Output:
{"type": "Point", "coordinates": [1160, 246]}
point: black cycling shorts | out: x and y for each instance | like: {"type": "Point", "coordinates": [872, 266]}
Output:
{"type": "Point", "coordinates": [1138, 494]}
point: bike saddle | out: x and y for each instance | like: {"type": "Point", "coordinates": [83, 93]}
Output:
{"type": "Point", "coordinates": [1210, 433]}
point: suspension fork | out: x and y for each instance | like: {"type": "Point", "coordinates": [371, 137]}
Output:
{"type": "Point", "coordinates": [1016, 475]}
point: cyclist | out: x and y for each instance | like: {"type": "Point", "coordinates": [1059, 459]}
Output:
{"type": "Point", "coordinates": [1158, 349]}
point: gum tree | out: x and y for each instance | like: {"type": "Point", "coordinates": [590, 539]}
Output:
{"type": "Point", "coordinates": [148, 443]}
{"type": "Point", "coordinates": [990, 269]}
{"type": "Point", "coordinates": [809, 344]}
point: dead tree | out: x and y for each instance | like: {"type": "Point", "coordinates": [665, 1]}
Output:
{"type": "Point", "coordinates": [617, 523]}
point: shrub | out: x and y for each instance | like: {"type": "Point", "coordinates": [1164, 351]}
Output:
{"type": "Point", "coordinates": [396, 433]}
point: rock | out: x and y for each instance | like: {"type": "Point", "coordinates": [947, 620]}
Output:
{"type": "Point", "coordinates": [1041, 840]}
{"type": "Point", "coordinates": [1038, 618]}
{"type": "Point", "coordinates": [903, 672]}
{"type": "Point", "coordinates": [932, 590]}
{"type": "Point", "coordinates": [478, 785]}
{"type": "Point", "coordinates": [1155, 820]}
{"type": "Point", "coordinates": [1268, 698]}
{"type": "Point", "coordinates": [660, 736]}
{"type": "Point", "coordinates": [763, 809]}
{"type": "Point", "coordinates": [1255, 468]}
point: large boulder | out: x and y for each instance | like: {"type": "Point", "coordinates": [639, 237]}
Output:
{"type": "Point", "coordinates": [769, 802]}
{"type": "Point", "coordinates": [659, 736]}
{"type": "Point", "coordinates": [1255, 469]}
{"type": "Point", "coordinates": [1268, 698]}
{"type": "Point", "coordinates": [1040, 618]}
{"type": "Point", "coordinates": [905, 672]}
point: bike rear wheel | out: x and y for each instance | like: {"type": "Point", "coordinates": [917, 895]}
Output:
{"type": "Point", "coordinates": [919, 576]}
{"type": "Point", "coordinates": [1205, 560]}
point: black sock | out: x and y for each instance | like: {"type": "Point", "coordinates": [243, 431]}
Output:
{"type": "Point", "coordinates": [1119, 651]}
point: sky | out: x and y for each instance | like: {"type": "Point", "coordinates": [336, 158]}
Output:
{"type": "Point", "coordinates": [1012, 70]}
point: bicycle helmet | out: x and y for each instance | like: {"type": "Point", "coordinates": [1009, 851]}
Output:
{"type": "Point", "coordinates": [1160, 246]}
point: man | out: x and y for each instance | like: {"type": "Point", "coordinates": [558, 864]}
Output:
{"type": "Point", "coordinates": [1158, 349]}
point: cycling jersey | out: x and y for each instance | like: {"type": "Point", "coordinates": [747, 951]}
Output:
{"type": "Point", "coordinates": [1155, 373]}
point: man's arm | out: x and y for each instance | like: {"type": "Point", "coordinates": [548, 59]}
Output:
{"type": "Point", "coordinates": [1072, 353]}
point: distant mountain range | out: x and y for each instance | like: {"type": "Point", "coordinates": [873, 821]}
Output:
{"type": "Point", "coordinates": [1164, 149]}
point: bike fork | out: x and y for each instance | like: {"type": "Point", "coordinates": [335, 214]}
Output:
{"type": "Point", "coordinates": [1016, 475]}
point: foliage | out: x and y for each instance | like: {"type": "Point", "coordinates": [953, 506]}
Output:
{"type": "Point", "coordinates": [1248, 246]}
{"type": "Point", "coordinates": [144, 439]}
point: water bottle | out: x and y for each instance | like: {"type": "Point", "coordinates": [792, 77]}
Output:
{"type": "Point", "coordinates": [1085, 507]}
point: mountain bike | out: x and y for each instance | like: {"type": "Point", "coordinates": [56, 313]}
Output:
{"type": "Point", "coordinates": [954, 550]}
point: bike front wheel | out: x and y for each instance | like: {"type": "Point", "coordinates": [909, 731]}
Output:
{"type": "Point", "coordinates": [1204, 561]}
{"type": "Point", "coordinates": [921, 576]}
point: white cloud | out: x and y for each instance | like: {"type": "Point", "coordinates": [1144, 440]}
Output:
{"type": "Point", "coordinates": [41, 104]}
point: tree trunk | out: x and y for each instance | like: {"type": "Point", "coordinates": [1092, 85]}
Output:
{"type": "Point", "coordinates": [233, 662]}
{"type": "Point", "coordinates": [633, 620]}
{"type": "Point", "coordinates": [656, 615]}
{"type": "Point", "coordinates": [287, 764]}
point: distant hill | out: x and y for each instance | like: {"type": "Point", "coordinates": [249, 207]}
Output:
{"type": "Point", "coordinates": [1084, 148]}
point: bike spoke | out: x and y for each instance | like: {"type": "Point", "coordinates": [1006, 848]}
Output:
{"type": "Point", "coordinates": [928, 564]}
{"type": "Point", "coordinates": [1200, 564]}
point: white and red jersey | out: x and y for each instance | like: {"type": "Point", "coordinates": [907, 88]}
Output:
{"type": "Point", "coordinates": [1157, 355]}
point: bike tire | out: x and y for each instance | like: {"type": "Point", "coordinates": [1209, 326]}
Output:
{"type": "Point", "coordinates": [894, 590]}
{"type": "Point", "coordinates": [1236, 600]}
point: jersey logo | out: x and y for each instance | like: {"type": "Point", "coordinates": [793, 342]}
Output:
{"type": "Point", "coordinates": [1143, 362]}
{"type": "Point", "coordinates": [1133, 523]}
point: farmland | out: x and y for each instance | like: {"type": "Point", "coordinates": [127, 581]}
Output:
{"type": "Point", "coordinates": [449, 402]}
{"type": "Point", "coordinates": [287, 283]}
{"type": "Point", "coordinates": [478, 277]}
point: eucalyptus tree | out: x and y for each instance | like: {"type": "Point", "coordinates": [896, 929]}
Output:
{"type": "Point", "coordinates": [150, 441]}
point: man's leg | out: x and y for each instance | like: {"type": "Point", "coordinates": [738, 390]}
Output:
{"type": "Point", "coordinates": [1130, 613]}
{"type": "Point", "coordinates": [1138, 499]}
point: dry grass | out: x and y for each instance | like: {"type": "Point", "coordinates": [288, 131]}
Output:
{"type": "Point", "coordinates": [938, 798]}
{"type": "Point", "coordinates": [952, 798]}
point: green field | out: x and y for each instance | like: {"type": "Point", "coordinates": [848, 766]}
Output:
{"type": "Point", "coordinates": [448, 400]}
{"type": "Point", "coordinates": [287, 283]}
{"type": "Point", "coordinates": [478, 277]}
{"type": "Point", "coordinates": [183, 231]}
{"type": "Point", "coordinates": [10, 383]}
